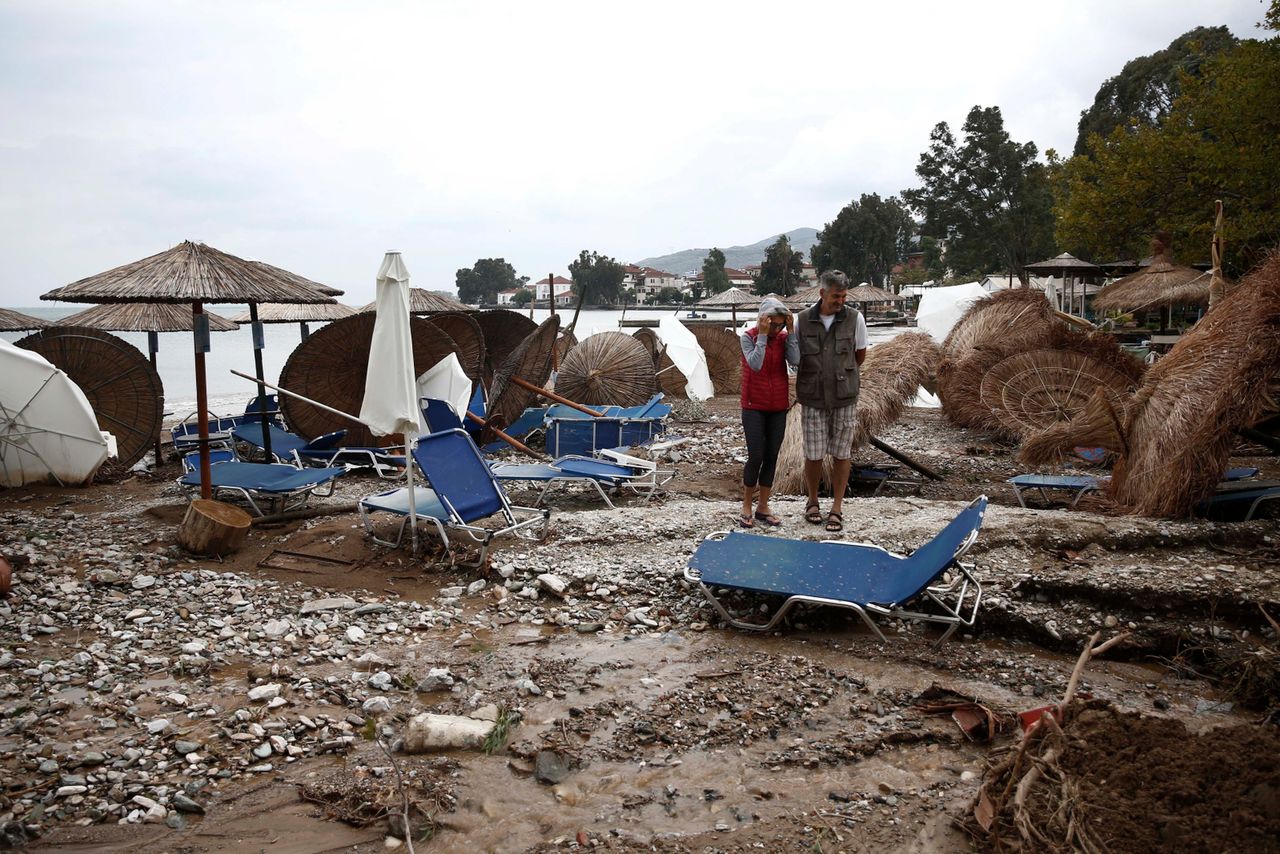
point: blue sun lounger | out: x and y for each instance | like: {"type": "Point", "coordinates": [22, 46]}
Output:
{"type": "Point", "coordinates": [325, 451]}
{"type": "Point", "coordinates": [866, 579]}
{"type": "Point", "coordinates": [462, 492]}
{"type": "Point", "coordinates": [1077, 485]}
{"type": "Point", "coordinates": [1238, 500]}
{"type": "Point", "coordinates": [572, 469]}
{"type": "Point", "coordinates": [277, 486]}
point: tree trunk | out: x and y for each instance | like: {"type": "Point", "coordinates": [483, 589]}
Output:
{"type": "Point", "coordinates": [213, 528]}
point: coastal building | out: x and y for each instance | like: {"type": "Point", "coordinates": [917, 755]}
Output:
{"type": "Point", "coordinates": [505, 297]}
{"type": "Point", "coordinates": [542, 290]}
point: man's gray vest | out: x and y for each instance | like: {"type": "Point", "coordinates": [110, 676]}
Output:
{"type": "Point", "coordinates": [828, 375]}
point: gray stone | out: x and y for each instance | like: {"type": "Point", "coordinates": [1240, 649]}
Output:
{"type": "Point", "coordinates": [261, 693]}
{"type": "Point", "coordinates": [371, 608]}
{"type": "Point", "coordinates": [184, 804]}
{"type": "Point", "coordinates": [438, 679]}
{"type": "Point", "coordinates": [49, 766]}
{"type": "Point", "coordinates": [263, 751]}
{"type": "Point", "coordinates": [158, 726]}
{"type": "Point", "coordinates": [550, 767]}
{"type": "Point", "coordinates": [553, 584]}
{"type": "Point", "coordinates": [142, 582]}
{"type": "Point", "coordinates": [185, 747]}
{"type": "Point", "coordinates": [276, 628]}
{"type": "Point", "coordinates": [336, 603]}
{"type": "Point", "coordinates": [355, 634]}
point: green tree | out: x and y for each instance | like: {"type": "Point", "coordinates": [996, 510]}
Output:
{"type": "Point", "coordinates": [987, 196]}
{"type": "Point", "coordinates": [522, 297]}
{"type": "Point", "coordinates": [1220, 141]}
{"type": "Point", "coordinates": [780, 270]}
{"type": "Point", "coordinates": [714, 278]}
{"type": "Point", "coordinates": [669, 296]}
{"type": "Point", "coordinates": [865, 239]}
{"type": "Point", "coordinates": [596, 279]}
{"type": "Point", "coordinates": [1142, 94]}
{"type": "Point", "coordinates": [479, 285]}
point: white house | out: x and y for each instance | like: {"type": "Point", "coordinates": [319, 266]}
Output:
{"type": "Point", "coordinates": [504, 297]}
{"type": "Point", "coordinates": [542, 288]}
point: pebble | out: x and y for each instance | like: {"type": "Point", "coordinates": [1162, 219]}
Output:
{"type": "Point", "coordinates": [142, 582]}
{"type": "Point", "coordinates": [355, 634]}
{"type": "Point", "coordinates": [438, 679]}
{"type": "Point", "coordinates": [261, 693]}
{"type": "Point", "coordinates": [335, 603]}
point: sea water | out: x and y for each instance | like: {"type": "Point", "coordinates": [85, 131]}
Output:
{"type": "Point", "coordinates": [234, 350]}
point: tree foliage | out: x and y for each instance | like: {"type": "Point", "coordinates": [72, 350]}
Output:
{"type": "Point", "coordinates": [596, 279]}
{"type": "Point", "coordinates": [522, 297]}
{"type": "Point", "coordinates": [781, 269]}
{"type": "Point", "coordinates": [714, 278]}
{"type": "Point", "coordinates": [865, 239]}
{"type": "Point", "coordinates": [669, 296]}
{"type": "Point", "coordinates": [1221, 140]}
{"type": "Point", "coordinates": [479, 285]}
{"type": "Point", "coordinates": [986, 196]}
{"type": "Point", "coordinates": [1143, 93]}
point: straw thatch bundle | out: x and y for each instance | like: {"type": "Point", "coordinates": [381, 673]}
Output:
{"type": "Point", "coordinates": [1013, 390]}
{"type": "Point", "coordinates": [607, 369]}
{"type": "Point", "coordinates": [1181, 429]}
{"type": "Point", "coordinates": [462, 327]}
{"type": "Point", "coordinates": [724, 357]}
{"type": "Point", "coordinates": [890, 378]}
{"type": "Point", "coordinates": [566, 342]}
{"type": "Point", "coordinates": [670, 378]}
{"type": "Point", "coordinates": [279, 312]}
{"type": "Point", "coordinates": [1099, 424]}
{"type": "Point", "coordinates": [423, 301]}
{"type": "Point", "coordinates": [1159, 284]}
{"type": "Point", "coordinates": [503, 330]}
{"type": "Point", "coordinates": [145, 317]}
{"type": "Point", "coordinates": [530, 362]}
{"type": "Point", "coordinates": [120, 384]}
{"type": "Point", "coordinates": [330, 367]}
{"type": "Point", "coordinates": [16, 321]}
{"type": "Point", "coordinates": [649, 339]}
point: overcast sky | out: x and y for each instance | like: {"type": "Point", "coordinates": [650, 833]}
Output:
{"type": "Point", "coordinates": [316, 135]}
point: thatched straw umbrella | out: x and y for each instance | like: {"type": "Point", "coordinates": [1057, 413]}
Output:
{"type": "Point", "coordinates": [649, 339]}
{"type": "Point", "coordinates": [564, 344]}
{"type": "Point", "coordinates": [1182, 425]}
{"type": "Point", "coordinates": [1017, 389]}
{"type": "Point", "coordinates": [890, 377]}
{"type": "Point", "coordinates": [193, 273]}
{"type": "Point", "coordinates": [1161, 284]}
{"type": "Point", "coordinates": [331, 367]}
{"type": "Point", "coordinates": [423, 301]}
{"type": "Point", "coordinates": [530, 361]}
{"type": "Point", "coordinates": [16, 321]}
{"type": "Point", "coordinates": [299, 314]}
{"type": "Point", "coordinates": [462, 327]}
{"type": "Point", "coordinates": [724, 357]}
{"type": "Point", "coordinates": [607, 369]}
{"type": "Point", "coordinates": [1099, 424]}
{"type": "Point", "coordinates": [732, 299]}
{"type": "Point", "coordinates": [120, 384]}
{"type": "Point", "coordinates": [503, 330]}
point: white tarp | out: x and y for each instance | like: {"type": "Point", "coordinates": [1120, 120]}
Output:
{"type": "Point", "coordinates": [445, 380]}
{"type": "Point", "coordinates": [48, 431]}
{"type": "Point", "coordinates": [686, 353]}
{"type": "Point", "coordinates": [940, 308]}
{"type": "Point", "coordinates": [925, 400]}
{"type": "Point", "coordinates": [390, 402]}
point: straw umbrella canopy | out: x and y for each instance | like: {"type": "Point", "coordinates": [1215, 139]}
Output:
{"type": "Point", "coordinates": [732, 299]}
{"type": "Point", "coordinates": [724, 357]}
{"type": "Point", "coordinates": [423, 301]}
{"type": "Point", "coordinates": [870, 293]}
{"type": "Point", "coordinates": [16, 321]}
{"type": "Point", "coordinates": [1160, 284]}
{"type": "Point", "coordinates": [331, 367]}
{"type": "Point", "coordinates": [607, 369]}
{"type": "Point", "coordinates": [1069, 268]}
{"type": "Point", "coordinates": [503, 330]}
{"type": "Point", "coordinates": [118, 381]}
{"type": "Point", "coordinates": [529, 361]}
{"type": "Point", "coordinates": [195, 273]}
{"type": "Point", "coordinates": [299, 314]}
{"type": "Point", "coordinates": [649, 339]}
{"type": "Point", "coordinates": [462, 327]}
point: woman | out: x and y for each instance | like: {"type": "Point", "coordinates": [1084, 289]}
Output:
{"type": "Point", "coordinates": [767, 349]}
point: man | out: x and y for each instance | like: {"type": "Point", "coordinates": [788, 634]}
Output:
{"type": "Point", "coordinates": [833, 343]}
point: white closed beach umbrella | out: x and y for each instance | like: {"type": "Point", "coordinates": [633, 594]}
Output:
{"type": "Point", "coordinates": [686, 353]}
{"type": "Point", "coordinates": [940, 308]}
{"type": "Point", "coordinates": [48, 431]}
{"type": "Point", "coordinates": [390, 403]}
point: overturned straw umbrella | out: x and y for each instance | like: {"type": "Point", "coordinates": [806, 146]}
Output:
{"type": "Point", "coordinates": [462, 327]}
{"type": "Point", "coordinates": [1182, 424]}
{"type": "Point", "coordinates": [724, 357]}
{"type": "Point", "coordinates": [195, 274]}
{"type": "Point", "coordinates": [16, 321]}
{"type": "Point", "coordinates": [529, 364]}
{"type": "Point", "coordinates": [331, 367]}
{"type": "Point", "coordinates": [503, 331]}
{"type": "Point", "coordinates": [607, 369]}
{"type": "Point", "coordinates": [299, 314]}
{"type": "Point", "coordinates": [652, 345]}
{"type": "Point", "coordinates": [121, 386]}
{"type": "Point", "coordinates": [890, 378]}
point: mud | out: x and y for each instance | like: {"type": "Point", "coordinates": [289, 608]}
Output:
{"type": "Point", "coordinates": [679, 735]}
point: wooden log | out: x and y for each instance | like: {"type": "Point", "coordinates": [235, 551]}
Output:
{"type": "Point", "coordinates": [213, 528]}
{"type": "Point", "coordinates": [905, 460]}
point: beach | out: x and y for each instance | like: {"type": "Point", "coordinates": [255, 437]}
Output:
{"type": "Point", "coordinates": [241, 702]}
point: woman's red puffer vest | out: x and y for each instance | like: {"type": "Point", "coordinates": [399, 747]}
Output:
{"type": "Point", "coordinates": [767, 389]}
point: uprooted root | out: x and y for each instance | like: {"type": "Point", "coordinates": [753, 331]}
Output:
{"type": "Point", "coordinates": [360, 797]}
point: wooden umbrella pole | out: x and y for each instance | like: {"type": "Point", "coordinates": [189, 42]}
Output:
{"type": "Point", "coordinates": [551, 395]}
{"type": "Point", "coordinates": [904, 459]}
{"type": "Point", "coordinates": [515, 443]}
{"type": "Point", "coordinates": [202, 405]}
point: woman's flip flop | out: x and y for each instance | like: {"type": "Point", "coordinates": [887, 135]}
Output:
{"type": "Point", "coordinates": [769, 519]}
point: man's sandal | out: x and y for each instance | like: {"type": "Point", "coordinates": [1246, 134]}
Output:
{"type": "Point", "coordinates": [813, 515]}
{"type": "Point", "coordinates": [746, 521]}
{"type": "Point", "coordinates": [835, 522]}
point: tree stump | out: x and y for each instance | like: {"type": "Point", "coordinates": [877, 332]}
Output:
{"type": "Point", "coordinates": [213, 528]}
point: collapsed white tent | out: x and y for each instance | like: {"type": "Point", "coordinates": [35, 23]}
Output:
{"type": "Point", "coordinates": [686, 353]}
{"type": "Point", "coordinates": [940, 308]}
{"type": "Point", "coordinates": [48, 431]}
{"type": "Point", "coordinates": [445, 380]}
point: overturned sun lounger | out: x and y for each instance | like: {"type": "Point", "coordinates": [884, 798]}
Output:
{"type": "Point", "coordinates": [280, 487]}
{"type": "Point", "coordinates": [325, 451]}
{"type": "Point", "coordinates": [866, 579]}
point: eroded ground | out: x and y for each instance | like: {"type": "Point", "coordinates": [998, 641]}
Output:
{"type": "Point", "coordinates": [140, 688]}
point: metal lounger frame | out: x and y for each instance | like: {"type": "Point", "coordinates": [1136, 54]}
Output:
{"type": "Point", "coordinates": [482, 537]}
{"type": "Point", "coordinates": [1080, 492]}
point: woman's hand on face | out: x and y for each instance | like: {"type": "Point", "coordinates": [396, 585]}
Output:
{"type": "Point", "coordinates": [790, 322]}
{"type": "Point", "coordinates": [763, 326]}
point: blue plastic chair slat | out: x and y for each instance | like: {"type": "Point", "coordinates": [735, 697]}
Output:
{"type": "Point", "coordinates": [263, 477]}
{"type": "Point", "coordinates": [453, 466]}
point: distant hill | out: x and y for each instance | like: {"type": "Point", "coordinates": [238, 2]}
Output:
{"type": "Point", "coordinates": [690, 260]}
